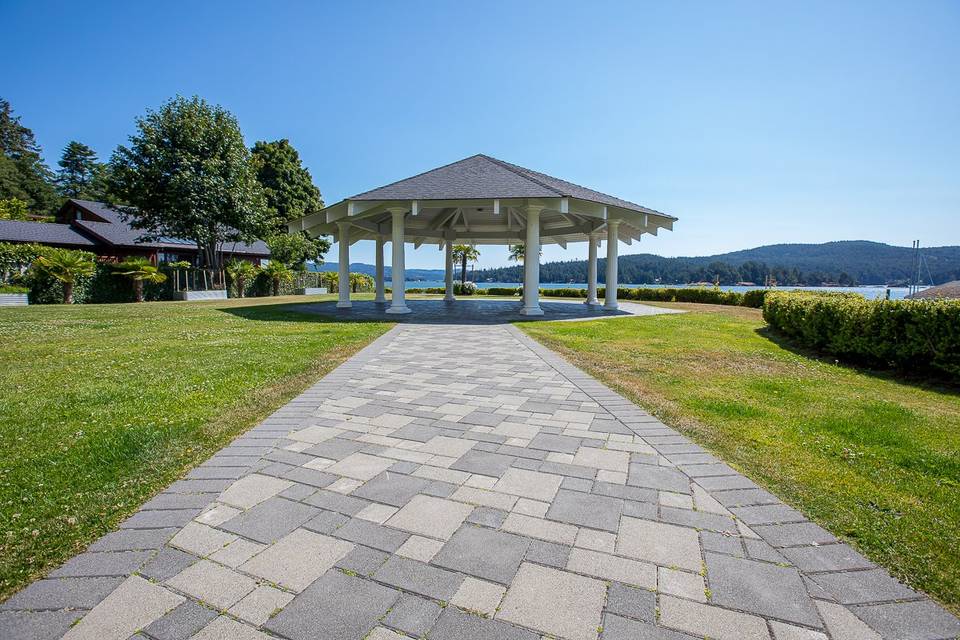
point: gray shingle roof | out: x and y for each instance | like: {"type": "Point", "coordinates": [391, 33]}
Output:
{"type": "Point", "coordinates": [483, 177]}
{"type": "Point", "coordinates": [43, 233]}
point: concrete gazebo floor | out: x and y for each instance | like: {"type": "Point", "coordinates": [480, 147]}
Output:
{"type": "Point", "coordinates": [464, 482]}
{"type": "Point", "coordinates": [479, 310]}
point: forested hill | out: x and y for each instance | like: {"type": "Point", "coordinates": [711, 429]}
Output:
{"type": "Point", "coordinates": [847, 262]}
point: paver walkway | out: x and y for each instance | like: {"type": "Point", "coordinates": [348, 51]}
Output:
{"type": "Point", "coordinates": [464, 482]}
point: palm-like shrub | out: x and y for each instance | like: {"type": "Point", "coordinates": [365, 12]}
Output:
{"type": "Point", "coordinates": [332, 278]}
{"type": "Point", "coordinates": [241, 272]}
{"type": "Point", "coordinates": [278, 273]}
{"type": "Point", "coordinates": [464, 253]}
{"type": "Point", "coordinates": [360, 282]}
{"type": "Point", "coordinates": [139, 270]}
{"type": "Point", "coordinates": [67, 267]}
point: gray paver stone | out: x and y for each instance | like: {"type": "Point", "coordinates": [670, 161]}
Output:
{"type": "Point", "coordinates": [492, 555]}
{"type": "Point", "coordinates": [412, 615]}
{"type": "Point", "coordinates": [181, 623]}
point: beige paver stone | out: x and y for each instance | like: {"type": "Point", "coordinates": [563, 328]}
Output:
{"type": "Point", "coordinates": [613, 477]}
{"type": "Point", "coordinates": [842, 624]}
{"type": "Point", "coordinates": [481, 482]}
{"type": "Point", "coordinates": [237, 552]}
{"type": "Point", "coordinates": [783, 631]}
{"type": "Point", "coordinates": [706, 502]}
{"type": "Point", "coordinates": [315, 434]}
{"type": "Point", "coordinates": [216, 514]}
{"type": "Point", "coordinates": [444, 446]}
{"type": "Point", "coordinates": [529, 507]}
{"type": "Point", "coordinates": [297, 559]}
{"type": "Point", "coordinates": [713, 622]}
{"type": "Point", "coordinates": [344, 485]}
{"type": "Point", "coordinates": [360, 466]}
{"type": "Point", "coordinates": [681, 583]}
{"type": "Point", "coordinates": [678, 500]}
{"type": "Point", "coordinates": [478, 595]}
{"type": "Point", "coordinates": [529, 484]}
{"type": "Point", "coordinates": [131, 606]}
{"type": "Point", "coordinates": [382, 633]}
{"type": "Point", "coordinates": [664, 544]}
{"type": "Point", "coordinates": [297, 447]}
{"type": "Point", "coordinates": [213, 583]}
{"type": "Point", "coordinates": [539, 528]}
{"type": "Point", "coordinates": [596, 540]}
{"type": "Point", "coordinates": [602, 459]}
{"type": "Point", "coordinates": [201, 540]}
{"type": "Point", "coordinates": [608, 567]}
{"type": "Point", "coordinates": [249, 491]}
{"type": "Point", "coordinates": [318, 464]}
{"type": "Point", "coordinates": [442, 474]}
{"type": "Point", "coordinates": [260, 603]}
{"type": "Point", "coordinates": [419, 548]}
{"type": "Point", "coordinates": [555, 602]}
{"type": "Point", "coordinates": [430, 516]}
{"type": "Point", "coordinates": [516, 430]}
{"type": "Point", "coordinates": [562, 458]}
{"type": "Point", "coordinates": [484, 497]}
{"type": "Point", "coordinates": [378, 513]}
{"type": "Point", "coordinates": [224, 628]}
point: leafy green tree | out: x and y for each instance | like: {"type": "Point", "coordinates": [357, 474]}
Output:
{"type": "Point", "coordinates": [187, 174]}
{"type": "Point", "coordinates": [67, 267]}
{"type": "Point", "coordinates": [278, 273]}
{"type": "Point", "coordinates": [295, 249]}
{"type": "Point", "coordinates": [287, 185]}
{"type": "Point", "coordinates": [139, 270]}
{"type": "Point", "coordinates": [241, 272]}
{"type": "Point", "coordinates": [13, 209]}
{"type": "Point", "coordinates": [464, 253]}
{"type": "Point", "coordinates": [23, 174]}
{"type": "Point", "coordinates": [80, 175]}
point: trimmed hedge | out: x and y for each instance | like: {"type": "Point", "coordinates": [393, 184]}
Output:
{"type": "Point", "coordinates": [905, 334]}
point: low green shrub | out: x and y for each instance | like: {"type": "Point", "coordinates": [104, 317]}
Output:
{"type": "Point", "coordinates": [905, 334]}
{"type": "Point", "coordinates": [503, 291]}
{"type": "Point", "coordinates": [464, 288]}
{"type": "Point", "coordinates": [564, 293]}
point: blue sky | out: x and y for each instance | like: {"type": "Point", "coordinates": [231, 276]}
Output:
{"type": "Point", "coordinates": [753, 122]}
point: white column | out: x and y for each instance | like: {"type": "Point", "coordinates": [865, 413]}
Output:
{"type": "Point", "coordinates": [592, 240]}
{"type": "Point", "coordinates": [398, 303]}
{"type": "Point", "coordinates": [381, 297]}
{"type": "Point", "coordinates": [343, 285]}
{"type": "Point", "coordinates": [448, 270]}
{"type": "Point", "coordinates": [531, 265]}
{"type": "Point", "coordinates": [610, 298]}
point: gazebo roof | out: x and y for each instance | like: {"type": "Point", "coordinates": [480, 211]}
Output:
{"type": "Point", "coordinates": [483, 200]}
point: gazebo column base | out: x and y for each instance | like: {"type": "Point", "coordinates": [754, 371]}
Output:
{"type": "Point", "coordinates": [400, 310]}
{"type": "Point", "coordinates": [344, 305]}
{"type": "Point", "coordinates": [531, 311]}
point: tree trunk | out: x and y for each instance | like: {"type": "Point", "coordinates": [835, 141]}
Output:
{"type": "Point", "coordinates": [463, 269]}
{"type": "Point", "coordinates": [138, 290]}
{"type": "Point", "coordinates": [276, 286]}
{"type": "Point", "coordinates": [240, 287]}
{"type": "Point", "coordinates": [67, 293]}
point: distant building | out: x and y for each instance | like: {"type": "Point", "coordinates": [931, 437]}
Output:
{"type": "Point", "coordinates": [949, 290]}
{"type": "Point", "coordinates": [100, 229]}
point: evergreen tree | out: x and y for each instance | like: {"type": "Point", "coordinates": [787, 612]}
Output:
{"type": "Point", "coordinates": [23, 174]}
{"type": "Point", "coordinates": [287, 185]}
{"type": "Point", "coordinates": [80, 174]}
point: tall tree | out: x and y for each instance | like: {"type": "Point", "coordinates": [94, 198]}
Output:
{"type": "Point", "coordinates": [23, 174]}
{"type": "Point", "coordinates": [290, 194]}
{"type": "Point", "coordinates": [187, 174]}
{"type": "Point", "coordinates": [80, 174]}
{"type": "Point", "coordinates": [287, 184]}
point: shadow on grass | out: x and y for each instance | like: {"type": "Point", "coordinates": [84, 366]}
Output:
{"type": "Point", "coordinates": [291, 312]}
{"type": "Point", "coordinates": [925, 379]}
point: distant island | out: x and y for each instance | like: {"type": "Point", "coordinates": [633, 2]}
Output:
{"type": "Point", "coordinates": [844, 263]}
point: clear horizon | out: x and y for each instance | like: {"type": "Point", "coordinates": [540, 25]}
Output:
{"type": "Point", "coordinates": [754, 124]}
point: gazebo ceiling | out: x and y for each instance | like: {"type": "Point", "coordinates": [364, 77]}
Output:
{"type": "Point", "coordinates": [482, 200]}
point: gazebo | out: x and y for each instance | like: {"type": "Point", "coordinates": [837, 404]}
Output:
{"type": "Point", "coordinates": [481, 200]}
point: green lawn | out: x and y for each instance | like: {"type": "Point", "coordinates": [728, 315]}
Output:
{"type": "Point", "coordinates": [101, 406]}
{"type": "Point", "coordinates": [873, 459]}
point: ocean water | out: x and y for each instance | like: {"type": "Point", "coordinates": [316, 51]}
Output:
{"type": "Point", "coordinates": [896, 293]}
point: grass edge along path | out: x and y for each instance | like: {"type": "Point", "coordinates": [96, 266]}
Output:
{"type": "Point", "coordinates": [874, 460]}
{"type": "Point", "coordinates": [103, 406]}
